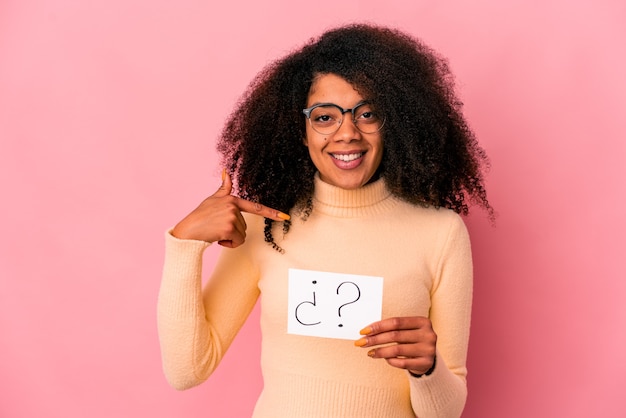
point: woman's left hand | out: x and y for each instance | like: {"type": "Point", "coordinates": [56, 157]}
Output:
{"type": "Point", "coordinates": [406, 342]}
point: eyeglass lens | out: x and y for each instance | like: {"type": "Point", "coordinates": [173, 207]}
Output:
{"type": "Point", "coordinates": [328, 118]}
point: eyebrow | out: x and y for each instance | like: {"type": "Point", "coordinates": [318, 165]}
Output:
{"type": "Point", "coordinates": [335, 104]}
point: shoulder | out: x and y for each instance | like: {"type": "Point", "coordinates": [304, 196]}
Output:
{"type": "Point", "coordinates": [437, 217]}
{"type": "Point", "coordinates": [436, 225]}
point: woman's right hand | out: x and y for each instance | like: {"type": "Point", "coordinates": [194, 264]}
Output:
{"type": "Point", "coordinates": [218, 218]}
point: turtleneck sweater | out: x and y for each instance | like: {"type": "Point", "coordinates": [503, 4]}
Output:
{"type": "Point", "coordinates": [424, 257]}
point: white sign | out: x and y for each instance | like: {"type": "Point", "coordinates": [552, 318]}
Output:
{"type": "Point", "coordinates": [332, 305]}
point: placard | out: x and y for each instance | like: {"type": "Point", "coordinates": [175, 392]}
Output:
{"type": "Point", "coordinates": [332, 305]}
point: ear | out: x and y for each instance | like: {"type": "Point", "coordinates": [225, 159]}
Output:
{"type": "Point", "coordinates": [305, 141]}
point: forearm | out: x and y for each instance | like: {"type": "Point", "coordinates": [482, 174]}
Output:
{"type": "Point", "coordinates": [180, 312]}
{"type": "Point", "coordinates": [196, 326]}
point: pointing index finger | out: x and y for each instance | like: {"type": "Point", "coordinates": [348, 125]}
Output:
{"type": "Point", "coordinates": [261, 210]}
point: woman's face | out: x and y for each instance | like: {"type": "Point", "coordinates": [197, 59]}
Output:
{"type": "Point", "coordinates": [347, 158]}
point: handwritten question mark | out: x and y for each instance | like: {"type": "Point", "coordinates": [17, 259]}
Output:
{"type": "Point", "coordinates": [307, 302]}
{"type": "Point", "coordinates": [351, 302]}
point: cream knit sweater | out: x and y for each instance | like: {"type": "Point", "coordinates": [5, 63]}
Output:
{"type": "Point", "coordinates": [424, 256]}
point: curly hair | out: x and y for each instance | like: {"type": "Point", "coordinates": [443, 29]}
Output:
{"type": "Point", "coordinates": [431, 156]}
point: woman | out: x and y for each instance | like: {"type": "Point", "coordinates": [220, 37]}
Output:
{"type": "Point", "coordinates": [351, 156]}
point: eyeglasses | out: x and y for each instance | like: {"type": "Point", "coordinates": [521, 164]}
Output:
{"type": "Point", "coordinates": [326, 118]}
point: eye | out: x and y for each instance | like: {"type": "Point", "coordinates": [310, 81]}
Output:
{"type": "Point", "coordinates": [324, 115]}
{"type": "Point", "coordinates": [323, 118]}
{"type": "Point", "coordinates": [366, 114]}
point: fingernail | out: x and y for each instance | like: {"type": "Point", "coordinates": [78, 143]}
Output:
{"type": "Point", "coordinates": [371, 352]}
{"type": "Point", "coordinates": [361, 342]}
{"type": "Point", "coordinates": [365, 331]}
{"type": "Point", "coordinates": [223, 174]}
{"type": "Point", "coordinates": [283, 216]}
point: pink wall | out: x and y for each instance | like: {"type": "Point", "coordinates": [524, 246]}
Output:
{"type": "Point", "coordinates": [108, 112]}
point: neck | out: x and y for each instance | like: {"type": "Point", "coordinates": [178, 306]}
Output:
{"type": "Point", "coordinates": [335, 201]}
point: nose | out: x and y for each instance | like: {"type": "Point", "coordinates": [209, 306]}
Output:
{"type": "Point", "coordinates": [347, 131]}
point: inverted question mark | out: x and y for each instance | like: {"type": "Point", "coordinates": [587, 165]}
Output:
{"type": "Point", "coordinates": [307, 302]}
{"type": "Point", "coordinates": [351, 302]}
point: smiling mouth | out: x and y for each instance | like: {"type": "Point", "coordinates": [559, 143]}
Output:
{"type": "Point", "coordinates": [347, 157]}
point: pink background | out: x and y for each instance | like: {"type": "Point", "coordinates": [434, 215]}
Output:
{"type": "Point", "coordinates": [108, 115]}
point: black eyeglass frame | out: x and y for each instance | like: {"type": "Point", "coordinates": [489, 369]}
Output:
{"type": "Point", "coordinates": [307, 113]}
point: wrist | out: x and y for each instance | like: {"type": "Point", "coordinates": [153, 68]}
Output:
{"type": "Point", "coordinates": [427, 372]}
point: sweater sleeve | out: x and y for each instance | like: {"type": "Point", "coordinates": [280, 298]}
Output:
{"type": "Point", "coordinates": [442, 394]}
{"type": "Point", "coordinates": [197, 326]}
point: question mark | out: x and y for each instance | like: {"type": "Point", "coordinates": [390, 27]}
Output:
{"type": "Point", "coordinates": [349, 303]}
{"type": "Point", "coordinates": [307, 302]}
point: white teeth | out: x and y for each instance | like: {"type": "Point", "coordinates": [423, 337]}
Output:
{"type": "Point", "coordinates": [348, 157]}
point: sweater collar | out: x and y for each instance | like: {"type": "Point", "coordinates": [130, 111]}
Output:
{"type": "Point", "coordinates": [335, 201]}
